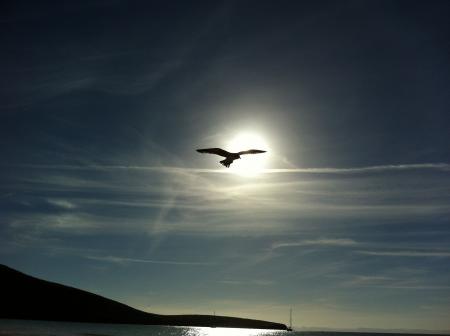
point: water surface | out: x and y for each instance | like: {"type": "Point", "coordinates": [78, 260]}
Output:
{"type": "Point", "coordinates": [51, 328]}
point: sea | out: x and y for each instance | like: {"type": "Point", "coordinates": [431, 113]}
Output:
{"type": "Point", "coordinates": [51, 328]}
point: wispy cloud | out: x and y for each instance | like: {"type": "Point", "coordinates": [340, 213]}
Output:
{"type": "Point", "coordinates": [258, 282]}
{"type": "Point", "coordinates": [366, 280]}
{"type": "Point", "coordinates": [159, 199]}
{"type": "Point", "coordinates": [379, 168]}
{"type": "Point", "coordinates": [121, 260]}
{"type": "Point", "coordinates": [388, 282]}
{"type": "Point", "coordinates": [419, 287]}
{"type": "Point", "coordinates": [173, 169]}
{"type": "Point", "coordinates": [317, 242]}
{"type": "Point", "coordinates": [62, 203]}
{"type": "Point", "coordinates": [407, 253]}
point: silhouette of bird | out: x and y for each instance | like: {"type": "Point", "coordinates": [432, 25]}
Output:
{"type": "Point", "coordinates": [229, 157]}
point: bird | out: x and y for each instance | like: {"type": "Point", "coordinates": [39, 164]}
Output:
{"type": "Point", "coordinates": [229, 157]}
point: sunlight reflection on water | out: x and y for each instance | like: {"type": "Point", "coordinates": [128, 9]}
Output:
{"type": "Point", "coordinates": [200, 331]}
{"type": "Point", "coordinates": [52, 328]}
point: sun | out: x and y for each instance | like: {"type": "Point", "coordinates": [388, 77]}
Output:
{"type": "Point", "coordinates": [251, 164]}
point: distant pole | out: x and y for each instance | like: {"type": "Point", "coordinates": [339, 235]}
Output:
{"type": "Point", "coordinates": [290, 318]}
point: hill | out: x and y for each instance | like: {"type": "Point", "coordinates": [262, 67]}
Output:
{"type": "Point", "coordinates": [26, 297]}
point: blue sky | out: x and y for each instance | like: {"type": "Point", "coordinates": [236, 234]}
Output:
{"type": "Point", "coordinates": [104, 103]}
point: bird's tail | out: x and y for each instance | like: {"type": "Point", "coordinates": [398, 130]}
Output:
{"type": "Point", "coordinates": [226, 162]}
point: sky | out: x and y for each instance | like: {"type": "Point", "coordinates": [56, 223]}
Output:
{"type": "Point", "coordinates": [346, 218]}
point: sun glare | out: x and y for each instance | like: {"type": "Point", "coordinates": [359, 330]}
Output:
{"type": "Point", "coordinates": [251, 164]}
{"type": "Point", "coordinates": [204, 331]}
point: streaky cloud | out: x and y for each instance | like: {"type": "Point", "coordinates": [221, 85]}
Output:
{"type": "Point", "coordinates": [380, 168]}
{"type": "Point", "coordinates": [420, 287]}
{"type": "Point", "coordinates": [387, 282]}
{"type": "Point", "coordinates": [369, 280]}
{"type": "Point", "coordinates": [121, 260]}
{"type": "Point", "coordinates": [317, 170]}
{"type": "Point", "coordinates": [407, 253]}
{"type": "Point", "coordinates": [316, 242]}
{"type": "Point", "coordinates": [258, 282]}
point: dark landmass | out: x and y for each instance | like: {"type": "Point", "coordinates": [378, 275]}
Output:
{"type": "Point", "coordinates": [25, 297]}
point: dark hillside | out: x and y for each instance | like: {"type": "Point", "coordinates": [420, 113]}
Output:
{"type": "Point", "coordinates": [26, 297]}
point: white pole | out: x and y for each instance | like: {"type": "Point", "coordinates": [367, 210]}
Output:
{"type": "Point", "coordinates": [290, 318]}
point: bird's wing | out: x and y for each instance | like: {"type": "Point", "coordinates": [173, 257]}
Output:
{"type": "Point", "coordinates": [217, 151]}
{"type": "Point", "coordinates": [252, 151]}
